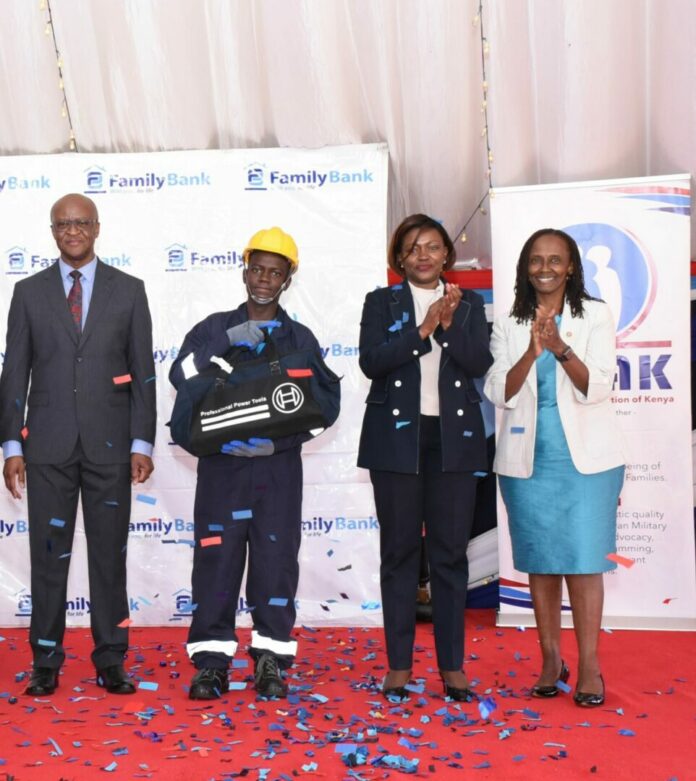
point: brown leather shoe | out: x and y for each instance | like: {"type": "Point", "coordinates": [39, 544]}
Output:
{"type": "Point", "coordinates": [43, 681]}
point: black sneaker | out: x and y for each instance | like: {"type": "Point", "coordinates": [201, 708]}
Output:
{"type": "Point", "coordinates": [209, 683]}
{"type": "Point", "coordinates": [267, 678]}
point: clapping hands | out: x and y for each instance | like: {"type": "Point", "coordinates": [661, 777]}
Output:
{"type": "Point", "coordinates": [441, 312]}
{"type": "Point", "coordinates": [544, 333]}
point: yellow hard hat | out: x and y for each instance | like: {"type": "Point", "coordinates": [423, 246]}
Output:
{"type": "Point", "coordinates": [273, 240]}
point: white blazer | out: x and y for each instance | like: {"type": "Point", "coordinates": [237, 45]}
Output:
{"type": "Point", "coordinates": [589, 422]}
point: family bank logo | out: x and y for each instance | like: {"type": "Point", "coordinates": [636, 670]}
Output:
{"type": "Point", "coordinates": [180, 258]}
{"type": "Point", "coordinates": [19, 261]}
{"type": "Point", "coordinates": [619, 270]}
{"type": "Point", "coordinates": [159, 528]}
{"type": "Point", "coordinates": [23, 604]}
{"type": "Point", "coordinates": [319, 525]}
{"type": "Point", "coordinates": [76, 606]}
{"type": "Point", "coordinates": [14, 183]}
{"type": "Point", "coordinates": [13, 528]}
{"type": "Point", "coordinates": [99, 181]}
{"type": "Point", "coordinates": [183, 606]}
{"type": "Point", "coordinates": [258, 177]}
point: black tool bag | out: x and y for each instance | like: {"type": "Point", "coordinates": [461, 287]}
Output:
{"type": "Point", "coordinates": [267, 397]}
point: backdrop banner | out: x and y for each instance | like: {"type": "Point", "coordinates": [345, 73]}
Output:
{"type": "Point", "coordinates": [633, 236]}
{"type": "Point", "coordinates": [180, 221]}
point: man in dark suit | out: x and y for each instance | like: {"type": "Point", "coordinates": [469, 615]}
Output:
{"type": "Point", "coordinates": [79, 339]}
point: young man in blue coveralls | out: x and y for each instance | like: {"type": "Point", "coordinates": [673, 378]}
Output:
{"type": "Point", "coordinates": [260, 479]}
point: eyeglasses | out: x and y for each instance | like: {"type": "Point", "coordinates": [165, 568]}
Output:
{"type": "Point", "coordinates": [432, 249]}
{"type": "Point", "coordinates": [62, 226]}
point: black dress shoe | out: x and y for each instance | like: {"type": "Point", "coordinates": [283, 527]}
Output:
{"type": "Point", "coordinates": [115, 680]}
{"type": "Point", "coordinates": [589, 699]}
{"type": "Point", "coordinates": [457, 694]}
{"type": "Point", "coordinates": [209, 683]}
{"type": "Point", "coordinates": [268, 679]}
{"type": "Point", "coordinates": [393, 693]}
{"type": "Point", "coordinates": [552, 691]}
{"type": "Point", "coordinates": [460, 695]}
{"type": "Point", "coordinates": [43, 681]}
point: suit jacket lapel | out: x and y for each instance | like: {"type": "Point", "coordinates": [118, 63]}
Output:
{"type": "Point", "coordinates": [459, 318]}
{"type": "Point", "coordinates": [521, 337]}
{"type": "Point", "coordinates": [55, 293]}
{"type": "Point", "coordinates": [101, 293]}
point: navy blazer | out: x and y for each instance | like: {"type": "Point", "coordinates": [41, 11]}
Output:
{"type": "Point", "coordinates": [390, 348]}
{"type": "Point", "coordinates": [209, 338]}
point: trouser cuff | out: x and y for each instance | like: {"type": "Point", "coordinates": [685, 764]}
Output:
{"type": "Point", "coordinates": [284, 650]}
{"type": "Point", "coordinates": [217, 648]}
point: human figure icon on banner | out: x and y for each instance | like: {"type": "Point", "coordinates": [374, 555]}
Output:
{"type": "Point", "coordinates": [617, 269]}
{"type": "Point", "coordinates": [600, 275]}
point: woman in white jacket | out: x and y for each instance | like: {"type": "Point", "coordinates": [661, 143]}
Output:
{"type": "Point", "coordinates": [558, 457]}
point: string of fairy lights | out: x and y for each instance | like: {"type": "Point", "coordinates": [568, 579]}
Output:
{"type": "Point", "coordinates": [50, 32]}
{"type": "Point", "coordinates": [480, 207]}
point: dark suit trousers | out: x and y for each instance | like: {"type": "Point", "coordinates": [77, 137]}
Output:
{"type": "Point", "coordinates": [52, 492]}
{"type": "Point", "coordinates": [444, 502]}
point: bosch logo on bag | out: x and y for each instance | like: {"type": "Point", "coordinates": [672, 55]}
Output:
{"type": "Point", "coordinates": [287, 398]}
{"type": "Point", "coordinates": [272, 396]}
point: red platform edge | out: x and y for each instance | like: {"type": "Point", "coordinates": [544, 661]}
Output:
{"type": "Point", "coordinates": [476, 279]}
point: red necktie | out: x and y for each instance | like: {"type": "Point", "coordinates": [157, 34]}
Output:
{"type": "Point", "coordinates": [75, 301]}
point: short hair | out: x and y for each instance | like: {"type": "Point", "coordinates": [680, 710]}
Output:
{"type": "Point", "coordinates": [420, 222]}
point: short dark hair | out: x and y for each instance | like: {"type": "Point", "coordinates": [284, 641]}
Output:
{"type": "Point", "coordinates": [524, 307]}
{"type": "Point", "coordinates": [420, 222]}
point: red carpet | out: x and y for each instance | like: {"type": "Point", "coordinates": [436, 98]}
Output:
{"type": "Point", "coordinates": [646, 730]}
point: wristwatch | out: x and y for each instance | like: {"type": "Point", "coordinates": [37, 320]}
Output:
{"type": "Point", "coordinates": [565, 355]}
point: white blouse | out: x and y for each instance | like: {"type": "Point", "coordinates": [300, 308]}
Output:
{"type": "Point", "coordinates": [430, 362]}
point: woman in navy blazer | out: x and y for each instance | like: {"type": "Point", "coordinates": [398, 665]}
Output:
{"type": "Point", "coordinates": [422, 343]}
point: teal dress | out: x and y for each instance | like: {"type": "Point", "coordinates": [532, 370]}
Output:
{"type": "Point", "coordinates": [561, 522]}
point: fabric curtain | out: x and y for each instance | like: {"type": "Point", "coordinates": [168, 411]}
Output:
{"type": "Point", "coordinates": [576, 90]}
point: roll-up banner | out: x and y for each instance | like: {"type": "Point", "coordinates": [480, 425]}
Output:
{"type": "Point", "coordinates": [633, 236]}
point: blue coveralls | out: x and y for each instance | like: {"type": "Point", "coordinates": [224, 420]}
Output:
{"type": "Point", "coordinates": [269, 488]}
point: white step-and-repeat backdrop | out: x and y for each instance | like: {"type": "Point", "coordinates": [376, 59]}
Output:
{"type": "Point", "coordinates": [180, 221]}
{"type": "Point", "coordinates": [633, 236]}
